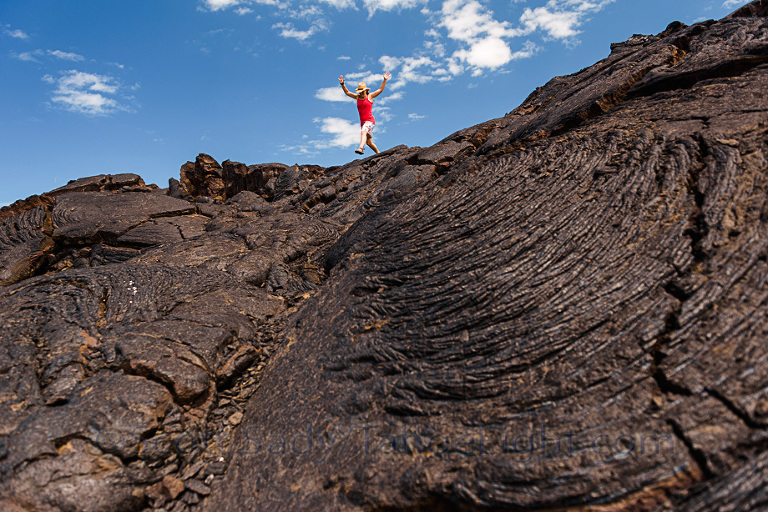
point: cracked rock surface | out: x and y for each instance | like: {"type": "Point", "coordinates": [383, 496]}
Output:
{"type": "Point", "coordinates": [563, 308]}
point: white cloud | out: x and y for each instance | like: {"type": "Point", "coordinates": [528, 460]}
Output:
{"type": "Point", "coordinates": [490, 52]}
{"type": "Point", "coordinates": [18, 34]}
{"type": "Point", "coordinates": [340, 4]}
{"type": "Point", "coordinates": [560, 19]}
{"type": "Point", "coordinates": [288, 31]}
{"type": "Point", "coordinates": [484, 41]}
{"type": "Point", "coordinates": [468, 20]}
{"type": "Point", "coordinates": [435, 48]}
{"type": "Point", "coordinates": [241, 6]}
{"type": "Point", "coordinates": [85, 93]}
{"type": "Point", "coordinates": [306, 12]}
{"type": "Point", "coordinates": [343, 133]}
{"type": "Point", "coordinates": [415, 117]}
{"type": "Point", "coordinates": [331, 94]}
{"type": "Point", "coordinates": [730, 4]}
{"type": "Point", "coordinates": [65, 55]}
{"type": "Point", "coordinates": [529, 50]}
{"type": "Point", "coordinates": [311, 13]}
{"type": "Point", "coordinates": [581, 5]}
{"type": "Point", "coordinates": [388, 97]}
{"type": "Point", "coordinates": [454, 67]}
{"type": "Point", "coordinates": [35, 55]}
{"type": "Point", "coordinates": [217, 5]}
{"type": "Point", "coordinates": [484, 38]}
{"type": "Point", "coordinates": [416, 69]}
{"type": "Point", "coordinates": [389, 5]}
{"type": "Point", "coordinates": [559, 25]}
{"type": "Point", "coordinates": [389, 63]}
{"type": "Point", "coordinates": [29, 56]}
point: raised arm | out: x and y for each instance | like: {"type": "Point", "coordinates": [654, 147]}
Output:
{"type": "Point", "coordinates": [378, 91]}
{"type": "Point", "coordinates": [344, 88]}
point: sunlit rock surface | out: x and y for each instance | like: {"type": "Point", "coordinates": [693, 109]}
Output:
{"type": "Point", "coordinates": [563, 308]}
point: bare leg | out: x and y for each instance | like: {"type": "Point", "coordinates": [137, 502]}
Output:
{"type": "Point", "coordinates": [372, 145]}
{"type": "Point", "coordinates": [362, 139]}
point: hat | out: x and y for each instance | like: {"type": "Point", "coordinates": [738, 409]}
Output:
{"type": "Point", "coordinates": [362, 87]}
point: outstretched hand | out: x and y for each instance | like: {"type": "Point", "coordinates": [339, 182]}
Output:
{"type": "Point", "coordinates": [387, 75]}
{"type": "Point", "coordinates": [341, 79]}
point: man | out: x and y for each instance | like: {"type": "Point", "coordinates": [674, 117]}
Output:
{"type": "Point", "coordinates": [365, 108]}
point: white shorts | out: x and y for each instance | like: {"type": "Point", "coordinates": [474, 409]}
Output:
{"type": "Point", "coordinates": [368, 127]}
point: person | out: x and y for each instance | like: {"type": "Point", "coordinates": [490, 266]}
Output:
{"type": "Point", "coordinates": [365, 108]}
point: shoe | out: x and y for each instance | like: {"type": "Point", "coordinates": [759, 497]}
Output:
{"type": "Point", "coordinates": [359, 151]}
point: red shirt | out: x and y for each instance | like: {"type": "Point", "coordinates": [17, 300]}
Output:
{"type": "Point", "coordinates": [365, 108]}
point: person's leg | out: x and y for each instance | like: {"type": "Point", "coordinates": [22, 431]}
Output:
{"type": "Point", "coordinates": [363, 134]}
{"type": "Point", "coordinates": [372, 145]}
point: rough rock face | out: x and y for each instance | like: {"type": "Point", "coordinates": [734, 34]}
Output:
{"type": "Point", "coordinates": [564, 308]}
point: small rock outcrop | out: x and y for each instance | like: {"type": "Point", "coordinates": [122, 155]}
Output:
{"type": "Point", "coordinates": [564, 309]}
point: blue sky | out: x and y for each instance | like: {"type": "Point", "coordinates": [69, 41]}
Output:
{"type": "Point", "coordinates": [91, 87]}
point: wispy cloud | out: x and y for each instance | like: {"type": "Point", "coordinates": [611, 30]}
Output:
{"type": "Point", "coordinates": [15, 33]}
{"type": "Point", "coordinates": [38, 55]}
{"type": "Point", "coordinates": [390, 5]}
{"type": "Point", "coordinates": [65, 55]}
{"type": "Point", "coordinates": [288, 31]}
{"type": "Point", "coordinates": [240, 7]}
{"type": "Point", "coordinates": [340, 4]}
{"type": "Point", "coordinates": [217, 5]}
{"type": "Point", "coordinates": [311, 15]}
{"type": "Point", "coordinates": [560, 19]}
{"type": "Point", "coordinates": [85, 93]}
{"type": "Point", "coordinates": [28, 56]}
{"type": "Point", "coordinates": [730, 4]}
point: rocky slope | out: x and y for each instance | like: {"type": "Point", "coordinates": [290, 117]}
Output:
{"type": "Point", "coordinates": [563, 308]}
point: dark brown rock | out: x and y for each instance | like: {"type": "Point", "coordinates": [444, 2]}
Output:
{"type": "Point", "coordinates": [102, 182]}
{"type": "Point", "coordinates": [202, 178]}
{"type": "Point", "coordinates": [237, 363]}
{"type": "Point", "coordinates": [103, 216]}
{"type": "Point", "coordinates": [22, 244]}
{"type": "Point", "coordinates": [556, 321]}
{"type": "Point", "coordinates": [252, 178]}
{"type": "Point", "coordinates": [198, 487]}
{"type": "Point", "coordinates": [563, 308]}
{"type": "Point", "coordinates": [167, 489]}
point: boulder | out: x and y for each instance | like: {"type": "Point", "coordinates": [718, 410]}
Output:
{"type": "Point", "coordinates": [203, 177]}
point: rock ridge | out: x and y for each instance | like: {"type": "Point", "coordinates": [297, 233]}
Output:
{"type": "Point", "coordinates": [563, 308]}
